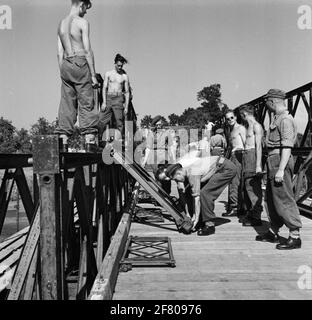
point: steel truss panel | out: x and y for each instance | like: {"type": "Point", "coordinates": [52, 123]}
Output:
{"type": "Point", "coordinates": [147, 251]}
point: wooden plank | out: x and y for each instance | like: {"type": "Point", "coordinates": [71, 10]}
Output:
{"type": "Point", "coordinates": [106, 278]}
{"type": "Point", "coordinates": [104, 284]}
{"type": "Point", "coordinates": [29, 285]}
{"type": "Point", "coordinates": [26, 258]}
{"type": "Point", "coordinates": [6, 242]}
{"type": "Point", "coordinates": [100, 244]}
{"type": "Point", "coordinates": [13, 247]}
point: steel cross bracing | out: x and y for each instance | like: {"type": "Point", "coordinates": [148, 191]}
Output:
{"type": "Point", "coordinates": [81, 203]}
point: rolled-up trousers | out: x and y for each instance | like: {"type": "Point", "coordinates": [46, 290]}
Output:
{"type": "Point", "coordinates": [77, 97]}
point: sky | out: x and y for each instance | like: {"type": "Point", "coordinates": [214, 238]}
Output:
{"type": "Point", "coordinates": [175, 48]}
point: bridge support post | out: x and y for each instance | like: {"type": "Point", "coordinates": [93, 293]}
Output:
{"type": "Point", "coordinates": [47, 166]}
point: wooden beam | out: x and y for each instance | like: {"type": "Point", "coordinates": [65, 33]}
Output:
{"type": "Point", "coordinates": [26, 258]}
{"type": "Point", "coordinates": [104, 285]}
{"type": "Point", "coordinates": [105, 281]}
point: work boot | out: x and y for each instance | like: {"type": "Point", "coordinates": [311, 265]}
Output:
{"type": "Point", "coordinates": [90, 144]}
{"type": "Point", "coordinates": [63, 143]}
{"type": "Point", "coordinates": [268, 237]}
{"type": "Point", "coordinates": [290, 244]}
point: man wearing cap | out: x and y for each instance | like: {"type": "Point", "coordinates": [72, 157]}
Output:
{"type": "Point", "coordinates": [280, 200]}
{"type": "Point", "coordinates": [217, 143]}
{"type": "Point", "coordinates": [252, 168]}
{"type": "Point", "coordinates": [158, 142]}
{"type": "Point", "coordinates": [76, 63]}
{"type": "Point", "coordinates": [204, 179]}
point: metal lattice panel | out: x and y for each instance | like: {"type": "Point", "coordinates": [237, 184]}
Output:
{"type": "Point", "coordinates": [147, 251]}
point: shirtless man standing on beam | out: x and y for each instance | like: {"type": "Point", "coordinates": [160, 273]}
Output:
{"type": "Point", "coordinates": [237, 144]}
{"type": "Point", "coordinates": [116, 95]}
{"type": "Point", "coordinates": [252, 168]}
{"type": "Point", "coordinates": [76, 62]}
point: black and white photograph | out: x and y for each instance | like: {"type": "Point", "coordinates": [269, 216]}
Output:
{"type": "Point", "coordinates": [156, 154]}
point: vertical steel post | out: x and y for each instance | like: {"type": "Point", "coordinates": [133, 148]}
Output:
{"type": "Point", "coordinates": [47, 166]}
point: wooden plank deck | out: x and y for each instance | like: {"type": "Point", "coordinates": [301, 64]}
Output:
{"type": "Point", "coordinates": [227, 265]}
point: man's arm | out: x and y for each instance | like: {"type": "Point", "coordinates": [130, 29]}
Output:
{"type": "Point", "coordinates": [149, 147]}
{"type": "Point", "coordinates": [60, 51]}
{"type": "Point", "coordinates": [195, 218]}
{"type": "Point", "coordinates": [87, 46]}
{"type": "Point", "coordinates": [127, 93]}
{"type": "Point", "coordinates": [194, 181]}
{"type": "Point", "coordinates": [258, 140]}
{"type": "Point", "coordinates": [242, 133]}
{"type": "Point", "coordinates": [287, 132]}
{"type": "Point", "coordinates": [105, 87]}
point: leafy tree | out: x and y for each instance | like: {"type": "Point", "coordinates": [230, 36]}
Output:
{"type": "Point", "coordinates": [23, 141]}
{"type": "Point", "coordinates": [146, 121]}
{"type": "Point", "coordinates": [174, 119]}
{"type": "Point", "coordinates": [210, 98]}
{"type": "Point", "coordinates": [43, 127]}
{"type": "Point", "coordinates": [7, 130]}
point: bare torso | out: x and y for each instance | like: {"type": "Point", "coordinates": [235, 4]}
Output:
{"type": "Point", "coordinates": [237, 141]}
{"type": "Point", "coordinates": [116, 82]}
{"type": "Point", "coordinates": [70, 34]}
{"type": "Point", "coordinates": [250, 136]}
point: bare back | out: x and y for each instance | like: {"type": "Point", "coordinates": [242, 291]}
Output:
{"type": "Point", "coordinates": [70, 34]}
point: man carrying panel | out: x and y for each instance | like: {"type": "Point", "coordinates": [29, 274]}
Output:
{"type": "Point", "coordinates": [76, 63]}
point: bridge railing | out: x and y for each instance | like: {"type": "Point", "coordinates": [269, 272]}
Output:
{"type": "Point", "coordinates": [74, 210]}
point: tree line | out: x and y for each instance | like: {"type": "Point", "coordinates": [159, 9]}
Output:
{"type": "Point", "coordinates": [13, 140]}
{"type": "Point", "coordinates": [211, 108]}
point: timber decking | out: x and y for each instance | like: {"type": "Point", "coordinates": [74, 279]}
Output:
{"type": "Point", "coordinates": [227, 265]}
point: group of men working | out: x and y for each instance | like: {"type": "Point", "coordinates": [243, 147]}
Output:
{"type": "Point", "coordinates": [79, 79]}
{"type": "Point", "coordinates": [204, 178]}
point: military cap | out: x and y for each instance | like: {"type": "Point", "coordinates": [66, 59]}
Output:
{"type": "Point", "coordinates": [275, 93]}
{"type": "Point", "coordinates": [155, 120]}
{"type": "Point", "coordinates": [172, 169]}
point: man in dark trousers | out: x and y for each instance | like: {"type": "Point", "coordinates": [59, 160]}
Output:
{"type": "Point", "coordinates": [280, 199]}
{"type": "Point", "coordinates": [205, 179]}
{"type": "Point", "coordinates": [252, 168]}
{"type": "Point", "coordinates": [76, 62]}
{"type": "Point", "coordinates": [116, 96]}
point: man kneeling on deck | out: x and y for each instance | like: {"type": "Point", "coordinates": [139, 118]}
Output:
{"type": "Point", "coordinates": [205, 179]}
